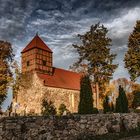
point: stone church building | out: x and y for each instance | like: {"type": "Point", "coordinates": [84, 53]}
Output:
{"type": "Point", "coordinates": [45, 81]}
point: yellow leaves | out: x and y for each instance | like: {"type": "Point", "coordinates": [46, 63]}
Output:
{"type": "Point", "coordinates": [6, 57]}
{"type": "Point", "coordinates": [132, 56]}
{"type": "Point", "coordinates": [110, 89]}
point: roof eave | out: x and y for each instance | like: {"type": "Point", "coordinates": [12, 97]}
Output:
{"type": "Point", "coordinates": [34, 48]}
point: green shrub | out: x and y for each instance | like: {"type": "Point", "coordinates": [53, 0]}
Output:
{"type": "Point", "coordinates": [48, 107]}
{"type": "Point", "coordinates": [62, 108]}
{"type": "Point", "coordinates": [137, 110]}
{"type": "Point", "coordinates": [112, 107]}
{"type": "Point", "coordinates": [95, 110]}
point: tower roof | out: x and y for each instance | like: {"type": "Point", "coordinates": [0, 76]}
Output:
{"type": "Point", "coordinates": [36, 42]}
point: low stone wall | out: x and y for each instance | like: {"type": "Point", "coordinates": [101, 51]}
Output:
{"type": "Point", "coordinates": [65, 127]}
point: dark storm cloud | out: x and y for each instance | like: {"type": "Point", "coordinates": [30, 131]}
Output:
{"type": "Point", "coordinates": [13, 15]}
{"type": "Point", "coordinates": [58, 22]}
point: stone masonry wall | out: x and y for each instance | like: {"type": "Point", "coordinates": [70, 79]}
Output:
{"type": "Point", "coordinates": [29, 98]}
{"type": "Point", "coordinates": [65, 127]}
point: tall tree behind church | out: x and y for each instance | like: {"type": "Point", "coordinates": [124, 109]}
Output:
{"type": "Point", "coordinates": [132, 56]}
{"type": "Point", "coordinates": [6, 57]}
{"type": "Point", "coordinates": [94, 50]}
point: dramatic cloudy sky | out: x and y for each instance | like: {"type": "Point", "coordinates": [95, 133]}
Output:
{"type": "Point", "coordinates": [58, 22]}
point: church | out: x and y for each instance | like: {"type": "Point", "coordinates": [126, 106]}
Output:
{"type": "Point", "coordinates": [45, 81]}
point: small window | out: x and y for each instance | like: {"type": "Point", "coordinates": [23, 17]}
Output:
{"type": "Point", "coordinates": [28, 63]}
{"type": "Point", "coordinates": [44, 62]}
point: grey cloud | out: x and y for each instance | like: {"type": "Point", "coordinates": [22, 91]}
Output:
{"type": "Point", "coordinates": [14, 14]}
{"type": "Point", "coordinates": [59, 21]}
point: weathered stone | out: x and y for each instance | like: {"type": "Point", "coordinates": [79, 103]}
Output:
{"type": "Point", "coordinates": [65, 132]}
{"type": "Point", "coordinates": [30, 99]}
{"type": "Point", "coordinates": [96, 120]}
{"type": "Point", "coordinates": [82, 126]}
{"type": "Point", "coordinates": [116, 128]}
{"type": "Point", "coordinates": [68, 127]}
{"type": "Point", "coordinates": [102, 130]}
{"type": "Point", "coordinates": [83, 121]}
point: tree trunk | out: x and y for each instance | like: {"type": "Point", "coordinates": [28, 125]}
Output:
{"type": "Point", "coordinates": [97, 94]}
{"type": "Point", "coordinates": [96, 87]}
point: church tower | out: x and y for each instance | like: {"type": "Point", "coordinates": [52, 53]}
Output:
{"type": "Point", "coordinates": [37, 56]}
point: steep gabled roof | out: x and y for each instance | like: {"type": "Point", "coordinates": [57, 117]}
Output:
{"type": "Point", "coordinates": [36, 42]}
{"type": "Point", "coordinates": [62, 79]}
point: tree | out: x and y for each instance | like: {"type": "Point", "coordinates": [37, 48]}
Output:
{"type": "Point", "coordinates": [6, 58]}
{"type": "Point", "coordinates": [128, 86]}
{"type": "Point", "coordinates": [21, 80]}
{"type": "Point", "coordinates": [130, 95]}
{"type": "Point", "coordinates": [48, 107]}
{"type": "Point", "coordinates": [111, 107]}
{"type": "Point", "coordinates": [86, 100]}
{"type": "Point", "coordinates": [17, 82]}
{"type": "Point", "coordinates": [95, 52]}
{"type": "Point", "coordinates": [132, 56]}
{"type": "Point", "coordinates": [106, 104]}
{"type": "Point", "coordinates": [136, 100]}
{"type": "Point", "coordinates": [121, 102]}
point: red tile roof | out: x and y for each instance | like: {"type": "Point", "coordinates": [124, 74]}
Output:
{"type": "Point", "coordinates": [36, 42]}
{"type": "Point", "coordinates": [62, 79]}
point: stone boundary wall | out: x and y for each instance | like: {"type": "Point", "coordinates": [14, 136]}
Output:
{"type": "Point", "coordinates": [65, 127]}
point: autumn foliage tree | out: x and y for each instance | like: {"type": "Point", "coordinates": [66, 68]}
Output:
{"type": "Point", "coordinates": [94, 50]}
{"type": "Point", "coordinates": [6, 57]}
{"type": "Point", "coordinates": [132, 56]}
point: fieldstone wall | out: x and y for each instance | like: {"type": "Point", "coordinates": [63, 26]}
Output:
{"type": "Point", "coordinates": [29, 97]}
{"type": "Point", "coordinates": [65, 127]}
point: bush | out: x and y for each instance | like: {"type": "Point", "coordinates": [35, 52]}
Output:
{"type": "Point", "coordinates": [111, 107]}
{"type": "Point", "coordinates": [136, 100]}
{"type": "Point", "coordinates": [95, 110]}
{"type": "Point", "coordinates": [62, 108]}
{"type": "Point", "coordinates": [48, 108]}
{"type": "Point", "coordinates": [137, 110]}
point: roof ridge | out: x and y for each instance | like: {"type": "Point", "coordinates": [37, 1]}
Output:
{"type": "Point", "coordinates": [36, 42]}
{"type": "Point", "coordinates": [67, 70]}
{"type": "Point", "coordinates": [61, 78]}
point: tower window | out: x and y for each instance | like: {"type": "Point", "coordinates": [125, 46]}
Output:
{"type": "Point", "coordinates": [28, 63]}
{"type": "Point", "coordinates": [44, 62]}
